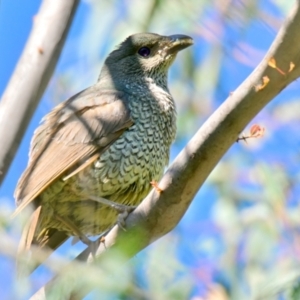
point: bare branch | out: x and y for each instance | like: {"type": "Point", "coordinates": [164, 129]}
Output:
{"type": "Point", "coordinates": [160, 212]}
{"type": "Point", "coordinates": [32, 74]}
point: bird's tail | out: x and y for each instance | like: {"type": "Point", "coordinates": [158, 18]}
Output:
{"type": "Point", "coordinates": [32, 251]}
{"type": "Point", "coordinates": [26, 241]}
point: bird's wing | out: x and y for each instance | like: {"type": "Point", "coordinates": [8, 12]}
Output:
{"type": "Point", "coordinates": [72, 136]}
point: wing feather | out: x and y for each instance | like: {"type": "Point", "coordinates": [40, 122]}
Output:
{"type": "Point", "coordinates": [72, 136]}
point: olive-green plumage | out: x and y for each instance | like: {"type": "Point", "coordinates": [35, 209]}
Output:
{"type": "Point", "coordinates": [109, 141]}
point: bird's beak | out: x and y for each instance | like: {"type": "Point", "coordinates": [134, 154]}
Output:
{"type": "Point", "coordinates": [178, 42]}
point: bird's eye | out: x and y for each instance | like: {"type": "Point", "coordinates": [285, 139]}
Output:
{"type": "Point", "coordinates": [144, 51]}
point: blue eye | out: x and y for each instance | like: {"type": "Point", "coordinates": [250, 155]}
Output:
{"type": "Point", "coordinates": [144, 51]}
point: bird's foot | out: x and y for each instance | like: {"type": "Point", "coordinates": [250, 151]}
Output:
{"type": "Point", "coordinates": [93, 246]}
{"type": "Point", "coordinates": [123, 210]}
{"type": "Point", "coordinates": [123, 214]}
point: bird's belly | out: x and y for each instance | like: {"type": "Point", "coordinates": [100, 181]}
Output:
{"type": "Point", "coordinates": [122, 174]}
{"type": "Point", "coordinates": [125, 170]}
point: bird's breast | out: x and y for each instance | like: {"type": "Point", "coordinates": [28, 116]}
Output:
{"type": "Point", "coordinates": [124, 171]}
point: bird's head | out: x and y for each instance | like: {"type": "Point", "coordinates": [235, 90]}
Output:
{"type": "Point", "coordinates": [144, 55]}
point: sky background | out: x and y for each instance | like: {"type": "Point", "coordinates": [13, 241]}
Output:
{"type": "Point", "coordinates": [242, 229]}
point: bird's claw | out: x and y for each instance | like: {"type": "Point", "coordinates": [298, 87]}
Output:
{"type": "Point", "coordinates": [124, 211]}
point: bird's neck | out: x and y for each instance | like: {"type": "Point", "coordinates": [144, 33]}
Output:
{"type": "Point", "coordinates": [113, 80]}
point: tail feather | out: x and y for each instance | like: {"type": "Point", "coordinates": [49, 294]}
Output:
{"type": "Point", "coordinates": [29, 231]}
{"type": "Point", "coordinates": [50, 241]}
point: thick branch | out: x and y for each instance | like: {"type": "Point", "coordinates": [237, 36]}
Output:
{"type": "Point", "coordinates": [160, 212]}
{"type": "Point", "coordinates": [32, 74]}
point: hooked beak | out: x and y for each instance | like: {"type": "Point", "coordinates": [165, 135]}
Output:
{"type": "Point", "coordinates": [178, 42]}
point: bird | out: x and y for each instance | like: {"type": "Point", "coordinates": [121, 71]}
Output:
{"type": "Point", "coordinates": [103, 147]}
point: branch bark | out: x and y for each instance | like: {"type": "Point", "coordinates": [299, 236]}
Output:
{"type": "Point", "coordinates": [160, 212]}
{"type": "Point", "coordinates": [32, 75]}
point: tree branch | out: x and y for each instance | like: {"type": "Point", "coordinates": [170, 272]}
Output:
{"type": "Point", "coordinates": [160, 212]}
{"type": "Point", "coordinates": [32, 74]}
